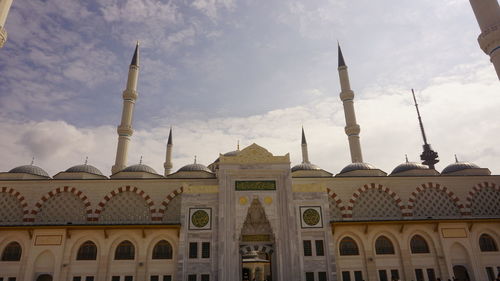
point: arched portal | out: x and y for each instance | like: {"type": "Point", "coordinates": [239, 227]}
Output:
{"type": "Point", "coordinates": [460, 262]}
{"type": "Point", "coordinates": [460, 273]}
{"type": "Point", "coordinates": [256, 245]}
{"type": "Point", "coordinates": [44, 277]}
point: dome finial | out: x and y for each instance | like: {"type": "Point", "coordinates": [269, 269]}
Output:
{"type": "Point", "coordinates": [86, 160]}
{"type": "Point", "coordinates": [406, 157]}
{"type": "Point", "coordinates": [238, 145]}
{"type": "Point", "coordinates": [195, 159]}
{"type": "Point", "coordinates": [140, 160]}
{"type": "Point", "coordinates": [32, 160]}
{"type": "Point", "coordinates": [456, 159]}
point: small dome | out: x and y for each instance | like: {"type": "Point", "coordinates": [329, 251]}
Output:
{"type": "Point", "coordinates": [194, 167]}
{"type": "Point", "coordinates": [140, 168]}
{"type": "Point", "coordinates": [459, 166]}
{"type": "Point", "coordinates": [357, 166]}
{"type": "Point", "coordinates": [305, 167]}
{"type": "Point", "coordinates": [85, 168]}
{"type": "Point", "coordinates": [30, 169]}
{"type": "Point", "coordinates": [407, 166]}
{"type": "Point", "coordinates": [232, 153]}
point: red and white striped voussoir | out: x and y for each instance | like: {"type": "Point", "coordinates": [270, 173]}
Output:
{"type": "Point", "coordinates": [447, 191]}
{"type": "Point", "coordinates": [122, 189]}
{"type": "Point", "coordinates": [475, 189]}
{"type": "Point", "coordinates": [167, 200]}
{"type": "Point", "coordinates": [54, 192]}
{"type": "Point", "coordinates": [380, 187]}
{"type": "Point", "coordinates": [338, 202]}
{"type": "Point", "coordinates": [19, 198]}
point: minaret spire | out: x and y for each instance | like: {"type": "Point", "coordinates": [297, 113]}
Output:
{"type": "Point", "coordinates": [4, 11]}
{"type": "Point", "coordinates": [168, 158]}
{"type": "Point", "coordinates": [305, 154]}
{"type": "Point", "coordinates": [428, 156]}
{"type": "Point", "coordinates": [352, 129]}
{"type": "Point", "coordinates": [125, 130]}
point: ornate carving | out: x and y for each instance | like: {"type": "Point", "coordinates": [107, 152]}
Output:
{"type": "Point", "coordinates": [311, 217]}
{"type": "Point", "coordinates": [255, 185]}
{"type": "Point", "coordinates": [254, 154]}
{"type": "Point", "coordinates": [256, 223]}
{"type": "Point", "coordinates": [200, 218]}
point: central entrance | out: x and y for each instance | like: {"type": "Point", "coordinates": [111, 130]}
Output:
{"type": "Point", "coordinates": [256, 265]}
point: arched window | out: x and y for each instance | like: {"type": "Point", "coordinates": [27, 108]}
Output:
{"type": "Point", "coordinates": [348, 247]}
{"type": "Point", "coordinates": [12, 252]}
{"type": "Point", "coordinates": [162, 251]}
{"type": "Point", "coordinates": [418, 245]}
{"type": "Point", "coordinates": [487, 244]}
{"type": "Point", "coordinates": [125, 251]}
{"type": "Point", "coordinates": [87, 251]}
{"type": "Point", "coordinates": [383, 246]}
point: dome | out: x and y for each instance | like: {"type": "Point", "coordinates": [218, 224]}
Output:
{"type": "Point", "coordinates": [140, 168]}
{"type": "Point", "coordinates": [407, 166]}
{"type": "Point", "coordinates": [459, 166]}
{"type": "Point", "coordinates": [305, 167]}
{"type": "Point", "coordinates": [30, 169]}
{"type": "Point", "coordinates": [85, 168]}
{"type": "Point", "coordinates": [194, 167]}
{"type": "Point", "coordinates": [357, 166]}
{"type": "Point", "coordinates": [232, 153]}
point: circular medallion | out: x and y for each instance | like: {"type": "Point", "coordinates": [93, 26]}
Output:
{"type": "Point", "coordinates": [199, 218]}
{"type": "Point", "coordinates": [243, 200]}
{"type": "Point", "coordinates": [310, 217]}
{"type": "Point", "coordinates": [268, 200]}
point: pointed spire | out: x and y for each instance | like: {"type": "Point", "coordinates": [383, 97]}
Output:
{"type": "Point", "coordinates": [86, 160]}
{"type": "Point", "coordinates": [303, 136]}
{"type": "Point", "coordinates": [456, 159]}
{"type": "Point", "coordinates": [341, 57]}
{"type": "Point", "coordinates": [170, 136]}
{"type": "Point", "coordinates": [406, 157]}
{"type": "Point", "coordinates": [305, 153]}
{"type": "Point", "coordinates": [32, 160]}
{"type": "Point", "coordinates": [135, 58]}
{"type": "Point", "coordinates": [429, 156]}
{"type": "Point", "coordinates": [195, 159]}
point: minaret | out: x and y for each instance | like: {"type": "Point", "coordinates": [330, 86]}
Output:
{"type": "Point", "coordinates": [347, 96]}
{"type": "Point", "coordinates": [168, 158]}
{"type": "Point", "coordinates": [488, 16]}
{"type": "Point", "coordinates": [428, 156]}
{"type": "Point", "coordinates": [4, 11]}
{"type": "Point", "coordinates": [305, 154]}
{"type": "Point", "coordinates": [125, 129]}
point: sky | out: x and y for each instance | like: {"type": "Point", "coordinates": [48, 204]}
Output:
{"type": "Point", "coordinates": [219, 71]}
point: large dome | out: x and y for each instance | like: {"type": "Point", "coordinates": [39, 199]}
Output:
{"type": "Point", "coordinates": [194, 167]}
{"type": "Point", "coordinates": [407, 166]}
{"type": "Point", "coordinates": [85, 168]}
{"type": "Point", "coordinates": [305, 167]}
{"type": "Point", "coordinates": [357, 166]}
{"type": "Point", "coordinates": [30, 169]}
{"type": "Point", "coordinates": [459, 166]}
{"type": "Point", "coordinates": [140, 168]}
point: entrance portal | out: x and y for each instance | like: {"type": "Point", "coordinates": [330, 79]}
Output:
{"type": "Point", "coordinates": [44, 277]}
{"type": "Point", "coordinates": [256, 266]}
{"type": "Point", "coordinates": [460, 273]}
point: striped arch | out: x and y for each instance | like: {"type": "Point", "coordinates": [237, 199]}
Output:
{"type": "Point", "coordinates": [164, 204]}
{"type": "Point", "coordinates": [338, 201]}
{"type": "Point", "coordinates": [453, 197]}
{"type": "Point", "coordinates": [475, 189]}
{"type": "Point", "coordinates": [380, 187]}
{"type": "Point", "coordinates": [53, 193]}
{"type": "Point", "coordinates": [245, 249]}
{"type": "Point", "coordinates": [119, 190]}
{"type": "Point", "coordinates": [21, 200]}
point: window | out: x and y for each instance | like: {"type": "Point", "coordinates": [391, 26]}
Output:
{"type": "Point", "coordinates": [383, 246]}
{"type": "Point", "coordinates": [205, 250]}
{"type": "Point", "coordinates": [487, 244]}
{"type": "Point", "coordinates": [490, 273]}
{"type": "Point", "coordinates": [394, 274]}
{"type": "Point", "coordinates": [319, 248]}
{"type": "Point", "coordinates": [125, 251]}
{"type": "Point", "coordinates": [154, 278]}
{"type": "Point", "coordinates": [309, 276]}
{"type": "Point", "coordinates": [12, 252]}
{"type": "Point", "coordinates": [87, 251]}
{"type": "Point", "coordinates": [307, 248]}
{"type": "Point", "coordinates": [167, 277]}
{"type": "Point", "coordinates": [129, 278]}
{"type": "Point", "coordinates": [358, 276]}
{"type": "Point", "coordinates": [192, 277]}
{"type": "Point", "coordinates": [115, 278]}
{"type": "Point", "coordinates": [322, 276]}
{"type": "Point", "coordinates": [205, 277]}
{"type": "Point", "coordinates": [418, 245]}
{"type": "Point", "coordinates": [346, 276]}
{"type": "Point", "coordinates": [193, 250]}
{"type": "Point", "coordinates": [419, 274]}
{"type": "Point", "coordinates": [77, 278]}
{"type": "Point", "coordinates": [12, 279]}
{"type": "Point", "coordinates": [431, 275]}
{"type": "Point", "coordinates": [162, 251]}
{"type": "Point", "coordinates": [348, 247]}
{"type": "Point", "coordinates": [382, 274]}
{"type": "Point", "coordinates": [89, 278]}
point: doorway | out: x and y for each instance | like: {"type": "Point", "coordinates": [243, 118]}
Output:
{"type": "Point", "coordinates": [256, 266]}
{"type": "Point", "coordinates": [44, 277]}
{"type": "Point", "coordinates": [461, 273]}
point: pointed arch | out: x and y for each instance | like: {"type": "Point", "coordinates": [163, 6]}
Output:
{"type": "Point", "coordinates": [12, 252]}
{"type": "Point", "coordinates": [125, 251]}
{"type": "Point", "coordinates": [87, 251]}
{"type": "Point", "coordinates": [384, 246]}
{"type": "Point", "coordinates": [441, 202]}
{"type": "Point", "coordinates": [395, 208]}
{"type": "Point", "coordinates": [483, 200]}
{"type": "Point", "coordinates": [338, 207]}
{"type": "Point", "coordinates": [119, 191]}
{"type": "Point", "coordinates": [13, 211]}
{"type": "Point", "coordinates": [53, 194]}
{"type": "Point", "coordinates": [165, 204]}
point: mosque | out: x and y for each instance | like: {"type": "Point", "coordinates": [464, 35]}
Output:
{"type": "Point", "coordinates": [252, 215]}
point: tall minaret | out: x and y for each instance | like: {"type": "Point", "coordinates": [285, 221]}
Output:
{"type": "Point", "coordinates": [305, 154]}
{"type": "Point", "coordinates": [125, 129]}
{"type": "Point", "coordinates": [168, 158]}
{"type": "Point", "coordinates": [347, 96]}
{"type": "Point", "coordinates": [428, 156]}
{"type": "Point", "coordinates": [4, 11]}
{"type": "Point", "coordinates": [488, 16]}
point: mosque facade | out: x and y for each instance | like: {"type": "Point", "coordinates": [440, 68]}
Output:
{"type": "Point", "coordinates": [251, 215]}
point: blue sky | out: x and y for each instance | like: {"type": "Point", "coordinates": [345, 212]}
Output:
{"type": "Point", "coordinates": [219, 71]}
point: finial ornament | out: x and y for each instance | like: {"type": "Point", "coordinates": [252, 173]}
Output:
{"type": "Point", "coordinates": [456, 159]}
{"type": "Point", "coordinates": [429, 156]}
{"type": "Point", "coordinates": [406, 157]}
{"type": "Point", "coordinates": [140, 160]}
{"type": "Point", "coordinates": [238, 145]}
{"type": "Point", "coordinates": [195, 159]}
{"type": "Point", "coordinates": [32, 160]}
{"type": "Point", "coordinates": [86, 160]}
